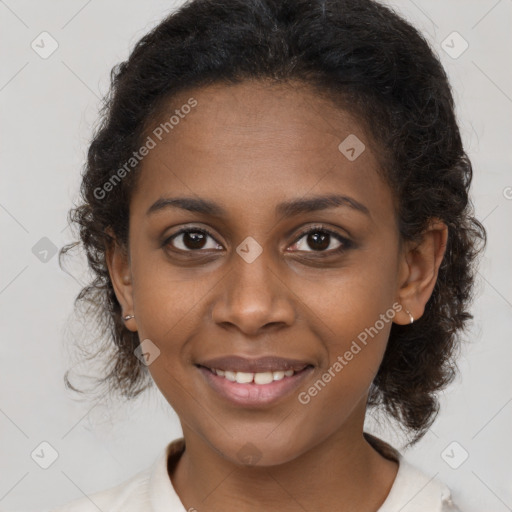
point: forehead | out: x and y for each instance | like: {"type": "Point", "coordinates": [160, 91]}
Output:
{"type": "Point", "coordinates": [256, 144]}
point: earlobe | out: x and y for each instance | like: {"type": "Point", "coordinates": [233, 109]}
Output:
{"type": "Point", "coordinates": [120, 275]}
{"type": "Point", "coordinates": [420, 269]}
{"type": "Point", "coordinates": [411, 318]}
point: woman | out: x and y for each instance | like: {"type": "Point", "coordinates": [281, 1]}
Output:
{"type": "Point", "coordinates": [276, 211]}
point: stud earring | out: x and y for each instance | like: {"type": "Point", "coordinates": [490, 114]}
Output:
{"type": "Point", "coordinates": [127, 317]}
{"type": "Point", "coordinates": [410, 316]}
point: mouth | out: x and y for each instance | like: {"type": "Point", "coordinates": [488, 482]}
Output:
{"type": "Point", "coordinates": [236, 364]}
{"type": "Point", "coordinates": [274, 379]}
{"type": "Point", "coordinates": [260, 378]}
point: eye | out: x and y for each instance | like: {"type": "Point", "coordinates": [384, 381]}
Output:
{"type": "Point", "coordinates": [321, 240]}
{"type": "Point", "coordinates": [318, 238]}
{"type": "Point", "coordinates": [192, 239]}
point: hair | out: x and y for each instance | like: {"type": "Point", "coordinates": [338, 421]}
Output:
{"type": "Point", "coordinates": [365, 59]}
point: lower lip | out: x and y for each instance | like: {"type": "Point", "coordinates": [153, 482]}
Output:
{"type": "Point", "coordinates": [254, 394]}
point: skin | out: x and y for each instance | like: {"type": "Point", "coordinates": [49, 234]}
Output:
{"type": "Point", "coordinates": [249, 147]}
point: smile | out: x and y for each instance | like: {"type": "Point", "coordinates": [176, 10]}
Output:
{"type": "Point", "coordinates": [253, 389]}
{"type": "Point", "coordinates": [257, 378]}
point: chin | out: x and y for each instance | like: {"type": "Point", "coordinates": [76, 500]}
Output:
{"type": "Point", "coordinates": [260, 449]}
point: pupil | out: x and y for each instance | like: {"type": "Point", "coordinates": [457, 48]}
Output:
{"type": "Point", "coordinates": [193, 240]}
{"type": "Point", "coordinates": [318, 241]}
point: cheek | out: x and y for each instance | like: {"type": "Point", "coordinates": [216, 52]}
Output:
{"type": "Point", "coordinates": [352, 313]}
{"type": "Point", "coordinates": [358, 313]}
{"type": "Point", "coordinates": [168, 306]}
{"type": "Point", "coordinates": [165, 298]}
{"type": "Point", "coordinates": [355, 344]}
{"type": "Point", "coordinates": [348, 300]}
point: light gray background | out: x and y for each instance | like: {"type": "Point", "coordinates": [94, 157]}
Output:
{"type": "Point", "coordinates": [49, 107]}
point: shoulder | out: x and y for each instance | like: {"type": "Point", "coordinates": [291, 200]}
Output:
{"type": "Point", "coordinates": [128, 496]}
{"type": "Point", "coordinates": [417, 491]}
{"type": "Point", "coordinates": [150, 489]}
{"type": "Point", "coordinates": [413, 490]}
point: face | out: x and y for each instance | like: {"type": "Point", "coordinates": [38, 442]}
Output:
{"type": "Point", "coordinates": [262, 270]}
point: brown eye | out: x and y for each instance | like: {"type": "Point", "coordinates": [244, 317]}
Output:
{"type": "Point", "coordinates": [321, 240]}
{"type": "Point", "coordinates": [318, 241]}
{"type": "Point", "coordinates": [192, 239]}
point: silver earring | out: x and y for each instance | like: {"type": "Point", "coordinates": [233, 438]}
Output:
{"type": "Point", "coordinates": [410, 316]}
{"type": "Point", "coordinates": [127, 317]}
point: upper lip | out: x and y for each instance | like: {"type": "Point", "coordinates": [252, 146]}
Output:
{"type": "Point", "coordinates": [262, 364]}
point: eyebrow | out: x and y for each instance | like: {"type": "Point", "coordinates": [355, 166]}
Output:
{"type": "Point", "coordinates": [286, 209]}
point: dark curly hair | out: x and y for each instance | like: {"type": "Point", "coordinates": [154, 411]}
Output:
{"type": "Point", "coordinates": [367, 60]}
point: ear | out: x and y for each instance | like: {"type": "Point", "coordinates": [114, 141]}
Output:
{"type": "Point", "coordinates": [118, 263]}
{"type": "Point", "coordinates": [419, 269]}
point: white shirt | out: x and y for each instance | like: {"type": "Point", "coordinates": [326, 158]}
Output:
{"type": "Point", "coordinates": [152, 490]}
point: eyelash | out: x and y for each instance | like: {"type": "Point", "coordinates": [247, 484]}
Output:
{"type": "Point", "coordinates": [345, 243]}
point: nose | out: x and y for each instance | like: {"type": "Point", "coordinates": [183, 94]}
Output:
{"type": "Point", "coordinates": [254, 298]}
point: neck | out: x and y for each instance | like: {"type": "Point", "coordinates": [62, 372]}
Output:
{"type": "Point", "coordinates": [343, 472]}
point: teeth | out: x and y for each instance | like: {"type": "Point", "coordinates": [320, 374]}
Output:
{"type": "Point", "coordinates": [263, 378]}
{"type": "Point", "coordinates": [230, 376]}
{"type": "Point", "coordinates": [257, 378]}
{"type": "Point", "coordinates": [244, 378]}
